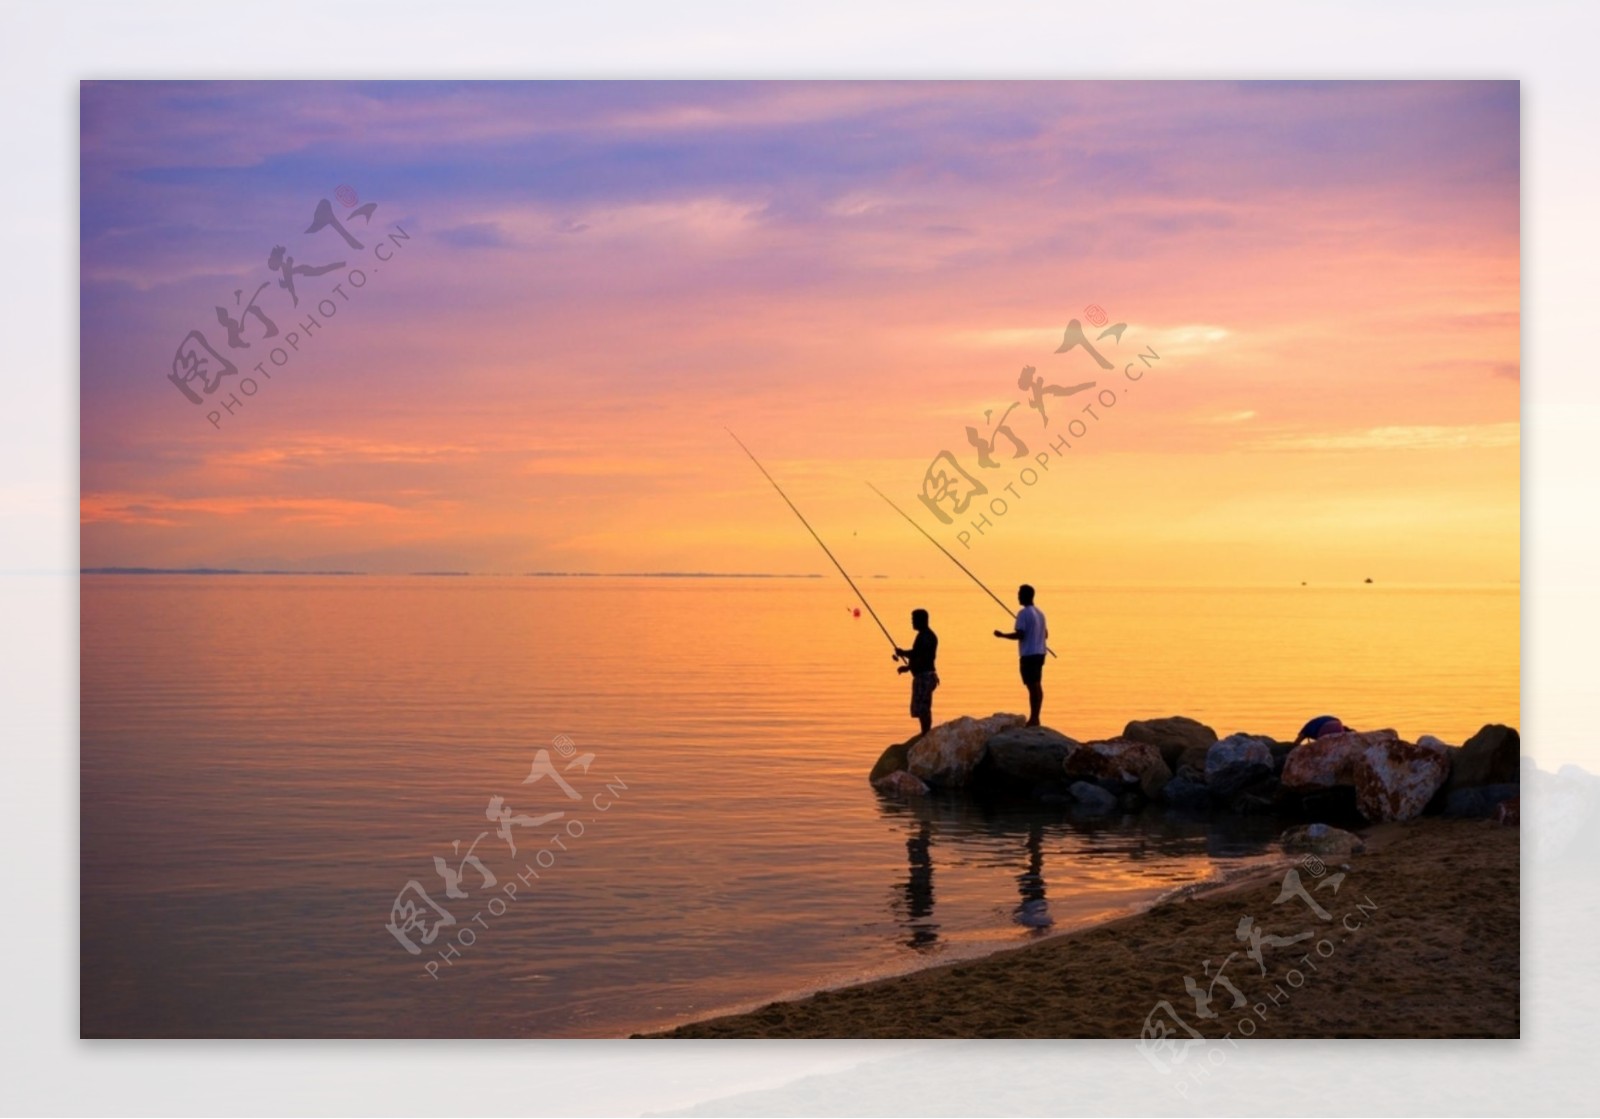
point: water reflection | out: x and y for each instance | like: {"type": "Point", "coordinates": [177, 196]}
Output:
{"type": "Point", "coordinates": [918, 888]}
{"type": "Point", "coordinates": [1033, 911]}
{"type": "Point", "coordinates": [351, 728]}
{"type": "Point", "coordinates": [1086, 854]}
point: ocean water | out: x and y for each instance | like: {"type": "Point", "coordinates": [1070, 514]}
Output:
{"type": "Point", "coordinates": [285, 778]}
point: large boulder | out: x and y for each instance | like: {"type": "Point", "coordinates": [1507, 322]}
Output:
{"type": "Point", "coordinates": [1322, 840]}
{"type": "Point", "coordinates": [1173, 736]}
{"type": "Point", "coordinates": [1326, 806]}
{"type": "Point", "coordinates": [900, 783]}
{"type": "Point", "coordinates": [1324, 763]}
{"type": "Point", "coordinates": [890, 761]}
{"type": "Point", "coordinates": [1119, 761]}
{"type": "Point", "coordinates": [1238, 749]}
{"type": "Point", "coordinates": [1092, 798]}
{"type": "Point", "coordinates": [1261, 797]}
{"type": "Point", "coordinates": [1032, 754]}
{"type": "Point", "coordinates": [946, 756]}
{"type": "Point", "coordinates": [1479, 800]}
{"type": "Point", "coordinates": [1490, 757]}
{"type": "Point", "coordinates": [1280, 754]}
{"type": "Point", "coordinates": [1231, 780]}
{"type": "Point", "coordinates": [1185, 792]}
{"type": "Point", "coordinates": [1396, 780]}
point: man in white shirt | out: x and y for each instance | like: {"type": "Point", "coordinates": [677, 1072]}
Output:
{"type": "Point", "coordinates": [1030, 634]}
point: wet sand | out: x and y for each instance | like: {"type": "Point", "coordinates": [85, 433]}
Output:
{"type": "Point", "coordinates": [1421, 939]}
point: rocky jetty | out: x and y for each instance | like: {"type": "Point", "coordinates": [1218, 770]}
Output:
{"type": "Point", "coordinates": [1490, 757]}
{"type": "Point", "coordinates": [1179, 764]}
{"type": "Point", "coordinates": [1030, 754]}
{"type": "Point", "coordinates": [1120, 762]}
{"type": "Point", "coordinates": [1396, 780]}
{"type": "Point", "coordinates": [947, 755]}
{"type": "Point", "coordinates": [1181, 740]}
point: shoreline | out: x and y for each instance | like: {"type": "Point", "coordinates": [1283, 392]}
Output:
{"type": "Point", "coordinates": [1422, 940]}
{"type": "Point", "coordinates": [1201, 887]}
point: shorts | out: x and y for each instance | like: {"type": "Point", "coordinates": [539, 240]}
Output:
{"type": "Point", "coordinates": [922, 685]}
{"type": "Point", "coordinates": [1033, 669]}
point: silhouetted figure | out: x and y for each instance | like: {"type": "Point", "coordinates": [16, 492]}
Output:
{"type": "Point", "coordinates": [919, 888]}
{"type": "Point", "coordinates": [1030, 634]}
{"type": "Point", "coordinates": [1320, 727]}
{"type": "Point", "coordinates": [1033, 910]}
{"type": "Point", "coordinates": [919, 662]}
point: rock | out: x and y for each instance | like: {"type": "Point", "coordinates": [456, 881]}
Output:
{"type": "Point", "coordinates": [1478, 801]}
{"type": "Point", "coordinates": [892, 759]}
{"type": "Point", "coordinates": [1430, 740]}
{"type": "Point", "coordinates": [1280, 754]}
{"type": "Point", "coordinates": [1033, 754]}
{"type": "Point", "coordinates": [1396, 780]}
{"type": "Point", "coordinates": [1185, 792]}
{"type": "Point", "coordinates": [1195, 758]}
{"type": "Point", "coordinates": [1118, 760]}
{"type": "Point", "coordinates": [1328, 805]}
{"type": "Point", "coordinates": [1508, 812]}
{"type": "Point", "coordinates": [1237, 749]}
{"type": "Point", "coordinates": [900, 783]}
{"type": "Point", "coordinates": [1490, 757]}
{"type": "Point", "coordinates": [1323, 763]}
{"type": "Point", "coordinates": [1322, 840]}
{"type": "Point", "coordinates": [946, 756]}
{"type": "Point", "coordinates": [1257, 802]}
{"type": "Point", "coordinates": [1171, 736]}
{"type": "Point", "coordinates": [1092, 797]}
{"type": "Point", "coordinates": [1232, 780]}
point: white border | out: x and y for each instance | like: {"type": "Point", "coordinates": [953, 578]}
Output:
{"type": "Point", "coordinates": [47, 49]}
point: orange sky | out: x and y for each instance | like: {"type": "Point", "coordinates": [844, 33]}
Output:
{"type": "Point", "coordinates": [600, 277]}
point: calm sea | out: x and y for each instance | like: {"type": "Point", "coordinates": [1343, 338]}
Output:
{"type": "Point", "coordinates": [277, 769]}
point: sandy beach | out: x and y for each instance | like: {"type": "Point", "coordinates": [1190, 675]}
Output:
{"type": "Point", "coordinates": [1421, 939]}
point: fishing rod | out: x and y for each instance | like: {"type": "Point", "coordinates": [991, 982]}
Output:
{"type": "Point", "coordinates": [947, 554]}
{"type": "Point", "coordinates": [820, 544]}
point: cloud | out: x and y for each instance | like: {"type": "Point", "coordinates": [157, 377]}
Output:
{"type": "Point", "coordinates": [476, 235]}
{"type": "Point", "coordinates": [155, 509]}
{"type": "Point", "coordinates": [1414, 438]}
{"type": "Point", "coordinates": [334, 450]}
{"type": "Point", "coordinates": [604, 272]}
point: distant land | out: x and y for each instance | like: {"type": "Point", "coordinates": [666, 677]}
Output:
{"type": "Point", "coordinates": [199, 571]}
{"type": "Point", "coordinates": [670, 575]}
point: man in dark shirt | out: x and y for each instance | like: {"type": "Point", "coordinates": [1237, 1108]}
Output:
{"type": "Point", "coordinates": [919, 662]}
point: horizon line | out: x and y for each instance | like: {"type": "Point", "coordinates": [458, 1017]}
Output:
{"type": "Point", "coordinates": [213, 571]}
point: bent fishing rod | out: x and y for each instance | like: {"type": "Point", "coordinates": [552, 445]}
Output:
{"type": "Point", "coordinates": [820, 544]}
{"type": "Point", "coordinates": [947, 554]}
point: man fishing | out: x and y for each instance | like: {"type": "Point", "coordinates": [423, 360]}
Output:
{"type": "Point", "coordinates": [1030, 635]}
{"type": "Point", "coordinates": [919, 662]}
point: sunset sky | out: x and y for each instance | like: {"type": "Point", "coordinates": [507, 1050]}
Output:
{"type": "Point", "coordinates": [600, 277]}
